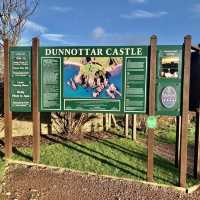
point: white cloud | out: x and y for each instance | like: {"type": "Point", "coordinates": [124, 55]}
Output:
{"type": "Point", "coordinates": [137, 1]}
{"type": "Point", "coordinates": [127, 39]}
{"type": "Point", "coordinates": [61, 9]}
{"type": "Point", "coordinates": [24, 42]}
{"type": "Point", "coordinates": [30, 25]}
{"type": "Point", "coordinates": [33, 29]}
{"type": "Point", "coordinates": [98, 33]}
{"type": "Point", "coordinates": [101, 37]}
{"type": "Point", "coordinates": [53, 37]}
{"type": "Point", "coordinates": [143, 14]}
{"type": "Point", "coordinates": [196, 8]}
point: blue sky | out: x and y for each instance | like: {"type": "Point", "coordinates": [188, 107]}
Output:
{"type": "Point", "coordinates": [113, 22]}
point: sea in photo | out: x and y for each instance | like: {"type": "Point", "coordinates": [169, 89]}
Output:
{"type": "Point", "coordinates": [89, 77]}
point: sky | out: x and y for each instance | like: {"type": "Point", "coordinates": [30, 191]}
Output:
{"type": "Point", "coordinates": [113, 22]}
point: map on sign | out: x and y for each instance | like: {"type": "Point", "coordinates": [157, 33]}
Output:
{"type": "Point", "coordinates": [93, 79]}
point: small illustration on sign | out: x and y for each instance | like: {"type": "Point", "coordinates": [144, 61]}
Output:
{"type": "Point", "coordinates": [168, 97]}
{"type": "Point", "coordinates": [151, 122]}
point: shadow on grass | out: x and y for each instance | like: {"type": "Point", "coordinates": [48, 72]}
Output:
{"type": "Point", "coordinates": [105, 159]}
{"type": "Point", "coordinates": [109, 160]}
{"type": "Point", "coordinates": [118, 147]}
{"type": "Point", "coordinates": [15, 151]}
{"type": "Point", "coordinates": [120, 135]}
{"type": "Point", "coordinates": [84, 150]}
{"type": "Point", "coordinates": [1, 148]}
{"type": "Point", "coordinates": [20, 153]}
{"type": "Point", "coordinates": [166, 165]}
{"type": "Point", "coordinates": [166, 137]}
{"type": "Point", "coordinates": [1, 155]}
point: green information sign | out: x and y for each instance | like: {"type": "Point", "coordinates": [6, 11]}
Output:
{"type": "Point", "coordinates": [20, 79]}
{"type": "Point", "coordinates": [135, 84]}
{"type": "Point", "coordinates": [93, 79]}
{"type": "Point", "coordinates": [50, 83]}
{"type": "Point", "coordinates": [152, 122]}
{"type": "Point", "coordinates": [169, 80]}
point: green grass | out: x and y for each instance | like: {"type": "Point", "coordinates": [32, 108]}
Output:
{"type": "Point", "coordinates": [115, 157]}
{"type": "Point", "coordinates": [167, 134]}
{"type": "Point", "coordinates": [2, 166]}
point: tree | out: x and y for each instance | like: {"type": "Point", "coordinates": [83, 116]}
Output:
{"type": "Point", "coordinates": [13, 16]}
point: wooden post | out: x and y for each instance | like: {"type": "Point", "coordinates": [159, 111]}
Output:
{"type": "Point", "coordinates": [109, 120]}
{"type": "Point", "coordinates": [69, 115]}
{"type": "Point", "coordinates": [49, 124]}
{"type": "Point", "coordinates": [35, 101]}
{"type": "Point", "coordinates": [134, 127]}
{"type": "Point", "coordinates": [126, 126]}
{"type": "Point", "coordinates": [185, 110]}
{"type": "Point", "coordinates": [7, 112]}
{"type": "Point", "coordinates": [178, 133]}
{"type": "Point", "coordinates": [114, 120]}
{"type": "Point", "coordinates": [197, 146]}
{"type": "Point", "coordinates": [152, 98]}
{"type": "Point", "coordinates": [106, 121]}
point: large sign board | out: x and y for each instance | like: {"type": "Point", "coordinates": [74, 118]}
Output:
{"type": "Point", "coordinates": [93, 79]}
{"type": "Point", "coordinates": [20, 79]}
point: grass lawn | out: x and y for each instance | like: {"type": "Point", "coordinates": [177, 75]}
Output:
{"type": "Point", "coordinates": [2, 166]}
{"type": "Point", "coordinates": [116, 157]}
{"type": "Point", "coordinates": [169, 136]}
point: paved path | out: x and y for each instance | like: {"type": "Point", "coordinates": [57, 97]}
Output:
{"type": "Point", "coordinates": [30, 182]}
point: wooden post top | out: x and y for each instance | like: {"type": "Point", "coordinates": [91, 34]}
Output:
{"type": "Point", "coordinates": [188, 37]}
{"type": "Point", "coordinates": [152, 74]}
{"type": "Point", "coordinates": [154, 37]}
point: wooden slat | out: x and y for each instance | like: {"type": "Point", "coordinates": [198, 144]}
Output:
{"type": "Point", "coordinates": [7, 112]}
{"type": "Point", "coordinates": [152, 97]}
{"type": "Point", "coordinates": [114, 120]}
{"type": "Point", "coordinates": [126, 126]}
{"type": "Point", "coordinates": [109, 120]}
{"type": "Point", "coordinates": [134, 127]}
{"type": "Point", "coordinates": [185, 110]}
{"type": "Point", "coordinates": [106, 122]}
{"type": "Point", "coordinates": [35, 101]}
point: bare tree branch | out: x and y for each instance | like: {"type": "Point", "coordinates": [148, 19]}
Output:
{"type": "Point", "coordinates": [13, 16]}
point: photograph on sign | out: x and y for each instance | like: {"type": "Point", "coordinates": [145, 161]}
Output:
{"type": "Point", "coordinates": [93, 77]}
{"type": "Point", "coordinates": [169, 64]}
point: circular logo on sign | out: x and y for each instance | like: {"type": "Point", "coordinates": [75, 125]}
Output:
{"type": "Point", "coordinates": [168, 97]}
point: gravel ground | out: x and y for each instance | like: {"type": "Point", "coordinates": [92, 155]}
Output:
{"type": "Point", "coordinates": [23, 182]}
